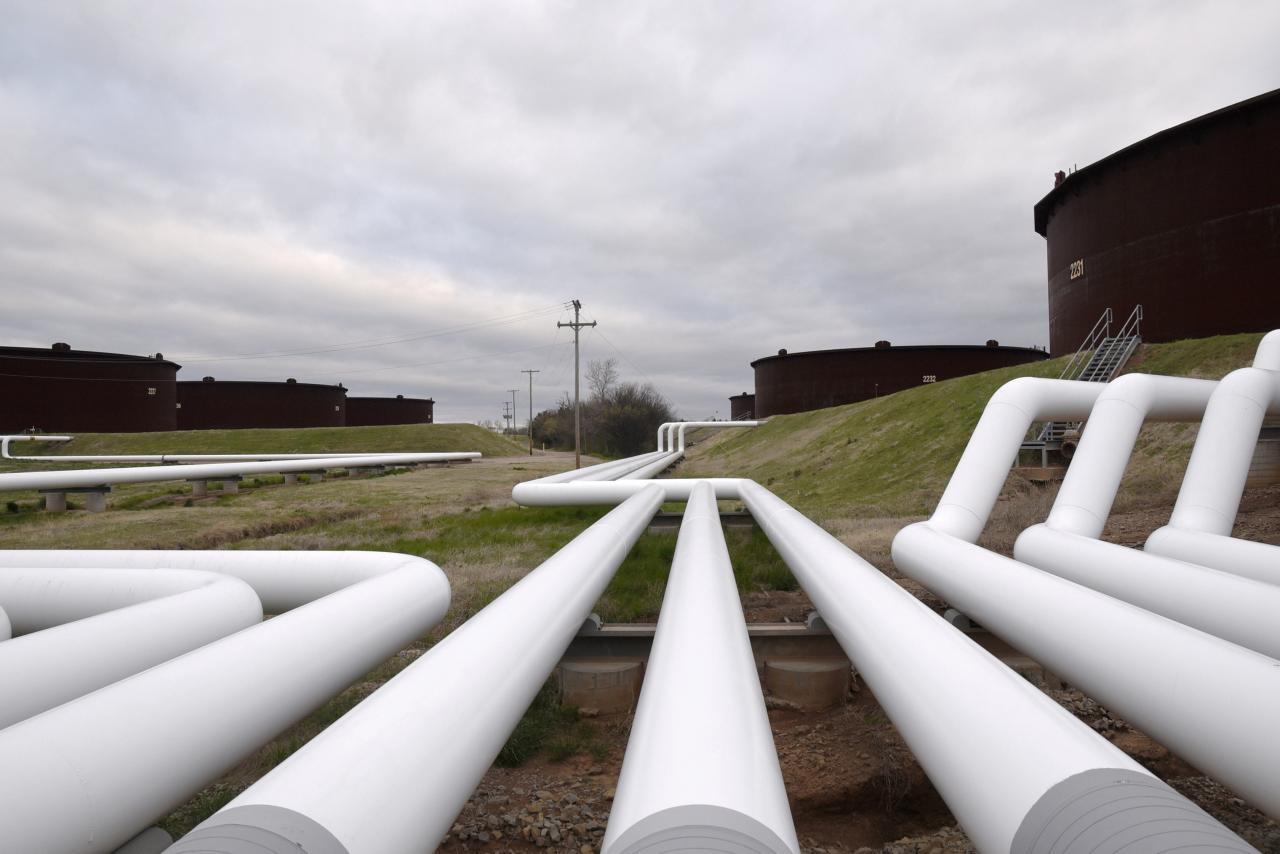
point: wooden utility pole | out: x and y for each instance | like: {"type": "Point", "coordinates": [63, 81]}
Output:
{"type": "Point", "coordinates": [577, 406]}
{"type": "Point", "coordinates": [530, 373]}
{"type": "Point", "coordinates": [513, 409]}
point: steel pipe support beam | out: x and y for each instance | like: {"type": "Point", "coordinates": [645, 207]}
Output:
{"type": "Point", "coordinates": [701, 771]}
{"type": "Point", "coordinates": [410, 755]}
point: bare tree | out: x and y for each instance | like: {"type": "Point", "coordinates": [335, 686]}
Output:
{"type": "Point", "coordinates": [602, 376]}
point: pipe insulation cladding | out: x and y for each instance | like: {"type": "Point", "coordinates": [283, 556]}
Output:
{"type": "Point", "coordinates": [87, 775]}
{"type": "Point", "coordinates": [959, 709]}
{"type": "Point", "coordinates": [85, 628]}
{"type": "Point", "coordinates": [391, 776]}
{"type": "Point", "coordinates": [701, 771]}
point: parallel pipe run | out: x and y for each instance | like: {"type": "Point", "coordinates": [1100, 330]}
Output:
{"type": "Point", "coordinates": [87, 775]}
{"type": "Point", "coordinates": [391, 776]}
{"type": "Point", "coordinates": [682, 426]}
{"type": "Point", "coordinates": [652, 468]}
{"type": "Point", "coordinates": [589, 472]}
{"type": "Point", "coordinates": [111, 623]}
{"type": "Point", "coordinates": [1210, 701]}
{"type": "Point", "coordinates": [700, 770]}
{"type": "Point", "coordinates": [959, 709]}
{"type": "Point", "coordinates": [535, 494]}
{"type": "Point", "coordinates": [51, 480]}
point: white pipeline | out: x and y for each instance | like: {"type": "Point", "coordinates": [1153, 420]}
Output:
{"type": "Point", "coordinates": [536, 494]}
{"type": "Point", "coordinates": [79, 478]}
{"type": "Point", "coordinates": [82, 629]}
{"type": "Point", "coordinates": [1210, 701]}
{"type": "Point", "coordinates": [701, 772]}
{"type": "Point", "coordinates": [682, 426]}
{"type": "Point", "coordinates": [391, 776]}
{"type": "Point", "coordinates": [1001, 753]}
{"type": "Point", "coordinates": [86, 776]}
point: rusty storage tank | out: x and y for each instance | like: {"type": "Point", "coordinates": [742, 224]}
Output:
{"type": "Point", "coordinates": [742, 406]}
{"type": "Point", "coordinates": [371, 411]}
{"type": "Point", "coordinates": [236, 404]}
{"type": "Point", "coordinates": [60, 390]}
{"type": "Point", "coordinates": [1185, 223]}
{"type": "Point", "coordinates": [799, 382]}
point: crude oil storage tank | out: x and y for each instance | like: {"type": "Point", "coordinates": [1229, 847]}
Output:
{"type": "Point", "coordinates": [742, 406]}
{"type": "Point", "coordinates": [799, 382]}
{"type": "Point", "coordinates": [80, 391]}
{"type": "Point", "coordinates": [236, 404]}
{"type": "Point", "coordinates": [371, 411]}
{"type": "Point", "coordinates": [1185, 223]}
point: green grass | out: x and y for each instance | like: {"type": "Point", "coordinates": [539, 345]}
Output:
{"type": "Point", "coordinates": [893, 455]}
{"type": "Point", "coordinates": [548, 726]}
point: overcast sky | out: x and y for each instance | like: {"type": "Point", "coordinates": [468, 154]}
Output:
{"type": "Point", "coordinates": [713, 180]}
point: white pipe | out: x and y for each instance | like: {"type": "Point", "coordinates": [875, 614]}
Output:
{"type": "Point", "coordinates": [1209, 499]}
{"type": "Point", "coordinates": [622, 468]}
{"type": "Point", "coordinates": [1084, 500]}
{"type": "Point", "coordinates": [998, 750]}
{"type": "Point", "coordinates": [534, 494]}
{"type": "Point", "coordinates": [93, 627]}
{"type": "Point", "coordinates": [701, 771]}
{"type": "Point", "coordinates": [197, 458]}
{"type": "Point", "coordinates": [1241, 610]}
{"type": "Point", "coordinates": [1210, 701]}
{"type": "Point", "coordinates": [584, 473]}
{"type": "Point", "coordinates": [651, 468]}
{"type": "Point", "coordinates": [391, 776]}
{"type": "Point", "coordinates": [975, 485]}
{"type": "Point", "coordinates": [50, 480]}
{"type": "Point", "coordinates": [27, 437]}
{"type": "Point", "coordinates": [86, 775]}
{"type": "Point", "coordinates": [6, 630]}
{"type": "Point", "coordinates": [682, 426]}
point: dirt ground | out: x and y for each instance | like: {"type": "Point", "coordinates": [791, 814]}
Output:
{"type": "Point", "coordinates": [854, 786]}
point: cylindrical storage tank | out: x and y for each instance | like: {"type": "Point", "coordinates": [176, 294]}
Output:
{"type": "Point", "coordinates": [799, 382]}
{"type": "Point", "coordinates": [372, 411]}
{"type": "Point", "coordinates": [211, 404]}
{"type": "Point", "coordinates": [742, 407]}
{"type": "Point", "coordinates": [60, 390]}
{"type": "Point", "coordinates": [1185, 223]}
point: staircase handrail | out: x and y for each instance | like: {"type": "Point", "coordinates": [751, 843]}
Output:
{"type": "Point", "coordinates": [1100, 330]}
{"type": "Point", "coordinates": [1132, 326]}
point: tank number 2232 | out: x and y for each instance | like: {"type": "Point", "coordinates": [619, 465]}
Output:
{"type": "Point", "coordinates": [1077, 269]}
{"type": "Point", "coordinates": [929, 378]}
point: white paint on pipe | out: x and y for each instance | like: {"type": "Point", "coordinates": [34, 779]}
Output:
{"type": "Point", "coordinates": [14, 481]}
{"type": "Point", "coordinates": [153, 840]}
{"type": "Point", "coordinates": [957, 707]}
{"type": "Point", "coordinates": [1241, 610]}
{"type": "Point", "coordinates": [6, 630]}
{"type": "Point", "coordinates": [682, 426]}
{"type": "Point", "coordinates": [1084, 500]}
{"type": "Point", "coordinates": [975, 485]}
{"type": "Point", "coordinates": [85, 628]}
{"type": "Point", "coordinates": [534, 494]}
{"type": "Point", "coordinates": [1210, 701]}
{"type": "Point", "coordinates": [701, 771]}
{"type": "Point", "coordinates": [1256, 561]}
{"type": "Point", "coordinates": [391, 776]}
{"type": "Point", "coordinates": [85, 776]}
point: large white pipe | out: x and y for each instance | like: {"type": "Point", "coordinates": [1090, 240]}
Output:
{"type": "Point", "coordinates": [85, 628]}
{"type": "Point", "coordinates": [651, 468]}
{"type": "Point", "coordinates": [27, 437]}
{"type": "Point", "coordinates": [682, 426]}
{"type": "Point", "coordinates": [535, 494]}
{"type": "Point", "coordinates": [1210, 701]}
{"type": "Point", "coordinates": [371, 457]}
{"type": "Point", "coordinates": [76, 478]}
{"type": "Point", "coordinates": [975, 485]}
{"type": "Point", "coordinates": [623, 467]}
{"type": "Point", "coordinates": [701, 771]}
{"type": "Point", "coordinates": [1247, 559]}
{"type": "Point", "coordinates": [391, 776]}
{"type": "Point", "coordinates": [1001, 753]}
{"type": "Point", "coordinates": [89, 774]}
{"type": "Point", "coordinates": [587, 472]}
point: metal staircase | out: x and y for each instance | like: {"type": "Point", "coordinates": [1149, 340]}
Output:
{"type": "Point", "coordinates": [1107, 354]}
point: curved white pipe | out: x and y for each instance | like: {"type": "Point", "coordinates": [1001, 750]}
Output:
{"type": "Point", "coordinates": [992, 745]}
{"type": "Point", "coordinates": [975, 485]}
{"type": "Point", "coordinates": [534, 494]}
{"type": "Point", "coordinates": [26, 437]}
{"type": "Point", "coordinates": [391, 776]}
{"type": "Point", "coordinates": [85, 628]}
{"type": "Point", "coordinates": [86, 775]}
{"type": "Point", "coordinates": [1209, 499]}
{"type": "Point", "coordinates": [76, 478]}
{"type": "Point", "coordinates": [682, 426]}
{"type": "Point", "coordinates": [701, 771]}
{"type": "Point", "coordinates": [1210, 701]}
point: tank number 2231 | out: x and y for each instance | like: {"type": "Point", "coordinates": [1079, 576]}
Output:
{"type": "Point", "coordinates": [1077, 269]}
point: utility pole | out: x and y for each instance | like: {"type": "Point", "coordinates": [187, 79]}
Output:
{"type": "Point", "coordinates": [530, 373]}
{"type": "Point", "coordinates": [506, 415]}
{"type": "Point", "coordinates": [576, 326]}
{"type": "Point", "coordinates": [513, 409]}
